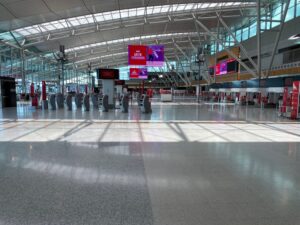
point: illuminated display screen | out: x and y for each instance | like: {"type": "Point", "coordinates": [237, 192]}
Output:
{"type": "Point", "coordinates": [138, 73]}
{"type": "Point", "coordinates": [137, 55]}
{"type": "Point", "coordinates": [108, 74]}
{"type": "Point", "coordinates": [155, 55]}
{"type": "Point", "coordinates": [119, 82]}
{"type": "Point", "coordinates": [140, 55]}
{"type": "Point", "coordinates": [225, 67]}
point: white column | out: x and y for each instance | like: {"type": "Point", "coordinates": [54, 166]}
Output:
{"type": "Point", "coordinates": [109, 89]}
{"type": "Point", "coordinates": [198, 89]}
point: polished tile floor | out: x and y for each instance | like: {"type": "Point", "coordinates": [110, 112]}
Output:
{"type": "Point", "coordinates": [184, 164]}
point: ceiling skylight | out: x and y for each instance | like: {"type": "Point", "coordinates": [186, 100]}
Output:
{"type": "Point", "coordinates": [125, 14]}
{"type": "Point", "coordinates": [101, 57]}
{"type": "Point", "coordinates": [124, 40]}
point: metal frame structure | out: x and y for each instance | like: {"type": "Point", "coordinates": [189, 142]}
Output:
{"type": "Point", "coordinates": [278, 35]}
{"type": "Point", "coordinates": [96, 38]}
{"type": "Point", "coordinates": [99, 22]}
{"type": "Point", "coordinates": [227, 50]}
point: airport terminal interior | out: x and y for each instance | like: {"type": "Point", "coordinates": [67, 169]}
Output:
{"type": "Point", "coordinates": [149, 112]}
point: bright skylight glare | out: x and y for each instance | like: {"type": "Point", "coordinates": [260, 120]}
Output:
{"type": "Point", "coordinates": [102, 57]}
{"type": "Point", "coordinates": [127, 13]}
{"type": "Point", "coordinates": [132, 39]}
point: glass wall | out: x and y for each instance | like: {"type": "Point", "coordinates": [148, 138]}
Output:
{"type": "Point", "coordinates": [275, 12]}
{"type": "Point", "coordinates": [35, 66]}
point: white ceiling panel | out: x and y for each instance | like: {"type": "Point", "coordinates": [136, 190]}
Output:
{"type": "Point", "coordinates": [96, 6]}
{"type": "Point", "coordinates": [27, 8]}
{"type": "Point", "coordinates": [59, 5]}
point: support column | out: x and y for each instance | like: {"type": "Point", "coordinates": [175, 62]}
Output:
{"type": "Point", "coordinates": [11, 61]}
{"type": "Point", "coordinates": [23, 75]}
{"type": "Point", "coordinates": [62, 78]}
{"type": "Point", "coordinates": [198, 88]}
{"type": "Point", "coordinates": [77, 81]}
{"type": "Point", "coordinates": [109, 89]}
{"type": "Point", "coordinates": [258, 39]}
{"type": "Point", "coordinates": [217, 50]}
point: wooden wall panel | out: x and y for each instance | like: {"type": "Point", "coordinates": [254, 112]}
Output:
{"type": "Point", "coordinates": [234, 50]}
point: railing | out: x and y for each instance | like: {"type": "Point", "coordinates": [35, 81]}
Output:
{"type": "Point", "coordinates": [280, 67]}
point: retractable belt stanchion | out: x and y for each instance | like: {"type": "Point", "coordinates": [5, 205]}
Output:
{"type": "Point", "coordinates": [124, 103]}
{"type": "Point", "coordinates": [95, 100]}
{"type": "Point", "coordinates": [60, 100]}
{"type": "Point", "coordinates": [86, 102]}
{"type": "Point", "coordinates": [53, 102]}
{"type": "Point", "coordinates": [69, 102]}
{"type": "Point", "coordinates": [44, 96]}
{"type": "Point", "coordinates": [103, 103]}
{"type": "Point", "coordinates": [145, 104]}
{"type": "Point", "coordinates": [78, 100]}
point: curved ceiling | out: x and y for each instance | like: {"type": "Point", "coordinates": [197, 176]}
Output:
{"type": "Point", "coordinates": [94, 28]}
{"type": "Point", "coordinates": [16, 14]}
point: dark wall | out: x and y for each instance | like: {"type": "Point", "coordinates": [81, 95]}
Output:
{"type": "Point", "coordinates": [8, 92]}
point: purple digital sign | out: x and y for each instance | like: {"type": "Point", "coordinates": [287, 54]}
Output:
{"type": "Point", "coordinates": [155, 55]}
{"type": "Point", "coordinates": [141, 55]}
{"type": "Point", "coordinates": [138, 73]}
{"type": "Point", "coordinates": [143, 73]}
{"type": "Point", "coordinates": [223, 68]}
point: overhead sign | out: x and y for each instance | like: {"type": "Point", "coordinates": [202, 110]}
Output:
{"type": "Point", "coordinates": [138, 73]}
{"type": "Point", "coordinates": [108, 74]}
{"type": "Point", "coordinates": [119, 82]}
{"type": "Point", "coordinates": [140, 55]}
{"type": "Point", "coordinates": [225, 67]}
{"type": "Point", "coordinates": [137, 55]}
{"type": "Point", "coordinates": [155, 55]}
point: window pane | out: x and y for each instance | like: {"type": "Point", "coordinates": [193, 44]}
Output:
{"type": "Point", "coordinates": [277, 10]}
{"type": "Point", "coordinates": [263, 25]}
{"type": "Point", "coordinates": [253, 30]}
{"type": "Point", "coordinates": [290, 14]}
{"type": "Point", "coordinates": [298, 9]}
{"type": "Point", "coordinates": [274, 24]}
{"type": "Point", "coordinates": [245, 34]}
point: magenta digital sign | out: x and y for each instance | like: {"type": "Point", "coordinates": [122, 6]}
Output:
{"type": "Point", "coordinates": [140, 55]}
{"type": "Point", "coordinates": [224, 67]}
{"type": "Point", "coordinates": [138, 73]}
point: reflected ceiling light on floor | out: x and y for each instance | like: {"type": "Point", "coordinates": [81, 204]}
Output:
{"type": "Point", "coordinates": [160, 76]}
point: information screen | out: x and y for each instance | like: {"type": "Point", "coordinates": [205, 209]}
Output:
{"type": "Point", "coordinates": [137, 55]}
{"type": "Point", "coordinates": [217, 69]}
{"type": "Point", "coordinates": [232, 66]}
{"type": "Point", "coordinates": [140, 55]}
{"type": "Point", "coordinates": [108, 74]}
{"type": "Point", "coordinates": [138, 73]}
{"type": "Point", "coordinates": [155, 55]}
{"type": "Point", "coordinates": [119, 82]}
{"type": "Point", "coordinates": [225, 67]}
